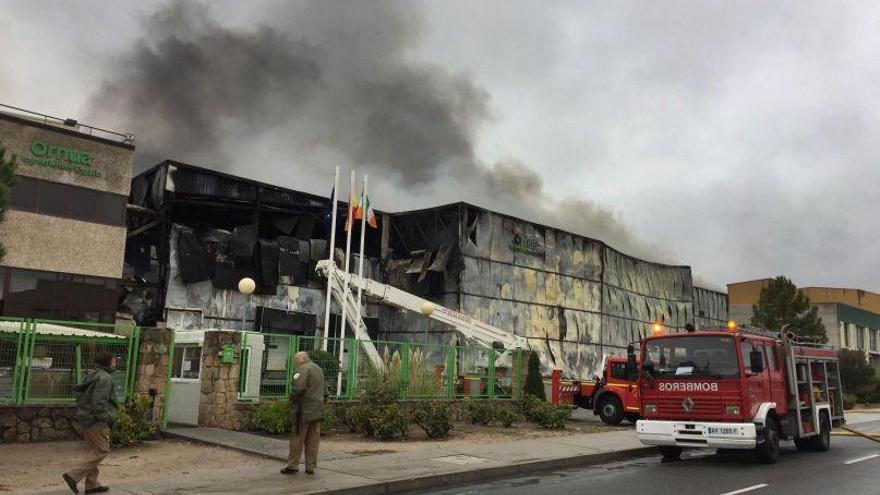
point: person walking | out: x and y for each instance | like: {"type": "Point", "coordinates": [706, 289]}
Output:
{"type": "Point", "coordinates": [96, 408]}
{"type": "Point", "coordinates": [306, 414]}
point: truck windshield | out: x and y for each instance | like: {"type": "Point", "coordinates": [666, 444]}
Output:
{"type": "Point", "coordinates": [691, 357]}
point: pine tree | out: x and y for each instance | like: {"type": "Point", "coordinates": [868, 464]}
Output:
{"type": "Point", "coordinates": [7, 180]}
{"type": "Point", "coordinates": [780, 303]}
{"type": "Point", "coordinates": [534, 381]}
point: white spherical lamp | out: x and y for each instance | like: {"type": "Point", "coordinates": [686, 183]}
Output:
{"type": "Point", "coordinates": [427, 309]}
{"type": "Point", "coordinates": [247, 286]}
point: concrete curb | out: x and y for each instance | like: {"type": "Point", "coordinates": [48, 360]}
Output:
{"type": "Point", "coordinates": [416, 485]}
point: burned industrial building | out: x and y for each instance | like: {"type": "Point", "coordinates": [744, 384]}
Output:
{"type": "Point", "coordinates": [194, 233]}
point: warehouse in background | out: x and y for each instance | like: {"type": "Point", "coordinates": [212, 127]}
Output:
{"type": "Point", "coordinates": [194, 232]}
{"type": "Point", "coordinates": [851, 316]}
{"type": "Point", "coordinates": [64, 229]}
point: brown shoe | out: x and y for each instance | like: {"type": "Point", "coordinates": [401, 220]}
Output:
{"type": "Point", "coordinates": [289, 470]}
{"type": "Point", "coordinates": [70, 482]}
{"type": "Point", "coordinates": [98, 489]}
{"type": "Point", "coordinates": [310, 472]}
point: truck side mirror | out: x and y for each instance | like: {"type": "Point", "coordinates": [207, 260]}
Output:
{"type": "Point", "coordinates": [632, 368]}
{"type": "Point", "coordinates": [756, 361]}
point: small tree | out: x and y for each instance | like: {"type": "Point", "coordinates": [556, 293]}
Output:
{"type": "Point", "coordinates": [780, 303]}
{"type": "Point", "coordinates": [534, 382]}
{"type": "Point", "coordinates": [857, 375]}
{"type": "Point", "coordinates": [7, 180]}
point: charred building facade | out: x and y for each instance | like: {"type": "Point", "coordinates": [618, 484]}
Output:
{"type": "Point", "coordinates": [575, 299]}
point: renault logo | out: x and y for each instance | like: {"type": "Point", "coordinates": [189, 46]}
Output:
{"type": "Point", "coordinates": [687, 404]}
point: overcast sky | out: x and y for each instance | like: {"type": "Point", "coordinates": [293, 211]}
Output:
{"type": "Point", "coordinates": [736, 137]}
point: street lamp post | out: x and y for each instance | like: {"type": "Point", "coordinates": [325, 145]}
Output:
{"type": "Point", "coordinates": [246, 286]}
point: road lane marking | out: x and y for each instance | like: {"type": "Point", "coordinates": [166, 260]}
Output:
{"type": "Point", "coordinates": [860, 459]}
{"type": "Point", "coordinates": [744, 490]}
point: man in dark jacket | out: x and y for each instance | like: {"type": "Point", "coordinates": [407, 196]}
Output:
{"type": "Point", "coordinates": [306, 414]}
{"type": "Point", "coordinates": [96, 413]}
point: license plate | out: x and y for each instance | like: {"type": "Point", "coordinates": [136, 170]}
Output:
{"type": "Point", "coordinates": [722, 431]}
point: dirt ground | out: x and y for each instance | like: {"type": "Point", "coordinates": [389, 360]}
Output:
{"type": "Point", "coordinates": [34, 466]}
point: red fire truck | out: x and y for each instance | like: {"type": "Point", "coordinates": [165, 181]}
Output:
{"type": "Point", "coordinates": [736, 388]}
{"type": "Point", "coordinates": [613, 397]}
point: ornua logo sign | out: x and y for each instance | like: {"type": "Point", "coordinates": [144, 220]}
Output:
{"type": "Point", "coordinates": [43, 154]}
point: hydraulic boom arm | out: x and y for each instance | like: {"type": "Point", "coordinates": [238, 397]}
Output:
{"type": "Point", "coordinates": [342, 285]}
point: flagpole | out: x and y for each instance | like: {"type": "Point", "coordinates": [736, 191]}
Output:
{"type": "Point", "coordinates": [330, 256]}
{"type": "Point", "coordinates": [349, 221]}
{"type": "Point", "coordinates": [363, 232]}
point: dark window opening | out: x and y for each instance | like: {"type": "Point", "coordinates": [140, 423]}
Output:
{"type": "Point", "coordinates": [66, 201]}
{"type": "Point", "coordinates": [58, 296]}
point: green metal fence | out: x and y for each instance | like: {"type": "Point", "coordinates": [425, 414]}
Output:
{"type": "Point", "coordinates": [415, 370]}
{"type": "Point", "coordinates": [41, 361]}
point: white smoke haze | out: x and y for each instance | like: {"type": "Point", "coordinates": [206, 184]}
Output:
{"type": "Point", "coordinates": [336, 82]}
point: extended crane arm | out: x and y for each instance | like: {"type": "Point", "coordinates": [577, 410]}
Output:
{"type": "Point", "coordinates": [341, 284]}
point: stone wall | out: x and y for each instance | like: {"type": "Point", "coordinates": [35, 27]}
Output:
{"type": "Point", "coordinates": [37, 422]}
{"type": "Point", "coordinates": [219, 406]}
{"type": "Point", "coordinates": [152, 366]}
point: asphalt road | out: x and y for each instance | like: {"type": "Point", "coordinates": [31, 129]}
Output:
{"type": "Point", "coordinates": [851, 467]}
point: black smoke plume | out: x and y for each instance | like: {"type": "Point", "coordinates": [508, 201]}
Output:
{"type": "Point", "coordinates": [324, 79]}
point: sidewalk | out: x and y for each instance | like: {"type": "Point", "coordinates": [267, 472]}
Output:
{"type": "Point", "coordinates": [435, 465]}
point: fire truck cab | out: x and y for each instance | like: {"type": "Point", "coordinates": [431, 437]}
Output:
{"type": "Point", "coordinates": [736, 389]}
{"type": "Point", "coordinates": [613, 397]}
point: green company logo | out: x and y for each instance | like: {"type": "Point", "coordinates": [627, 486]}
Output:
{"type": "Point", "coordinates": [526, 245]}
{"type": "Point", "coordinates": [61, 157]}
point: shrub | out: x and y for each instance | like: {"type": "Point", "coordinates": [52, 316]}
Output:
{"type": "Point", "coordinates": [330, 420]}
{"type": "Point", "coordinates": [389, 421]}
{"type": "Point", "coordinates": [857, 375]}
{"type": "Point", "coordinates": [534, 381]}
{"type": "Point", "coordinates": [554, 418]}
{"type": "Point", "coordinates": [359, 418]}
{"type": "Point", "coordinates": [272, 417]}
{"type": "Point", "coordinates": [505, 416]}
{"type": "Point", "coordinates": [132, 423]}
{"type": "Point", "coordinates": [849, 401]}
{"type": "Point", "coordinates": [481, 412]}
{"type": "Point", "coordinates": [433, 417]}
{"type": "Point", "coordinates": [534, 409]}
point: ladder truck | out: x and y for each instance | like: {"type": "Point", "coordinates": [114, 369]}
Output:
{"type": "Point", "coordinates": [611, 397]}
{"type": "Point", "coordinates": [736, 388]}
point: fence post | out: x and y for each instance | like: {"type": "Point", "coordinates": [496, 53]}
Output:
{"type": "Point", "coordinates": [17, 369]}
{"type": "Point", "coordinates": [490, 380]}
{"type": "Point", "coordinates": [293, 346]}
{"type": "Point", "coordinates": [132, 371]}
{"type": "Point", "coordinates": [167, 402]}
{"type": "Point", "coordinates": [243, 358]}
{"type": "Point", "coordinates": [404, 369]}
{"type": "Point", "coordinates": [30, 337]}
{"type": "Point", "coordinates": [125, 393]}
{"type": "Point", "coordinates": [518, 386]}
{"type": "Point", "coordinates": [78, 375]}
{"type": "Point", "coordinates": [351, 381]}
{"type": "Point", "coordinates": [450, 372]}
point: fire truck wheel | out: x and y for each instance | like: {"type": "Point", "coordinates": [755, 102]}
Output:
{"type": "Point", "coordinates": [670, 453]}
{"type": "Point", "coordinates": [767, 452]}
{"type": "Point", "coordinates": [822, 441]}
{"type": "Point", "coordinates": [610, 410]}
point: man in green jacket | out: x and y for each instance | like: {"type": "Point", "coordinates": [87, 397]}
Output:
{"type": "Point", "coordinates": [306, 414]}
{"type": "Point", "coordinates": [96, 413]}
